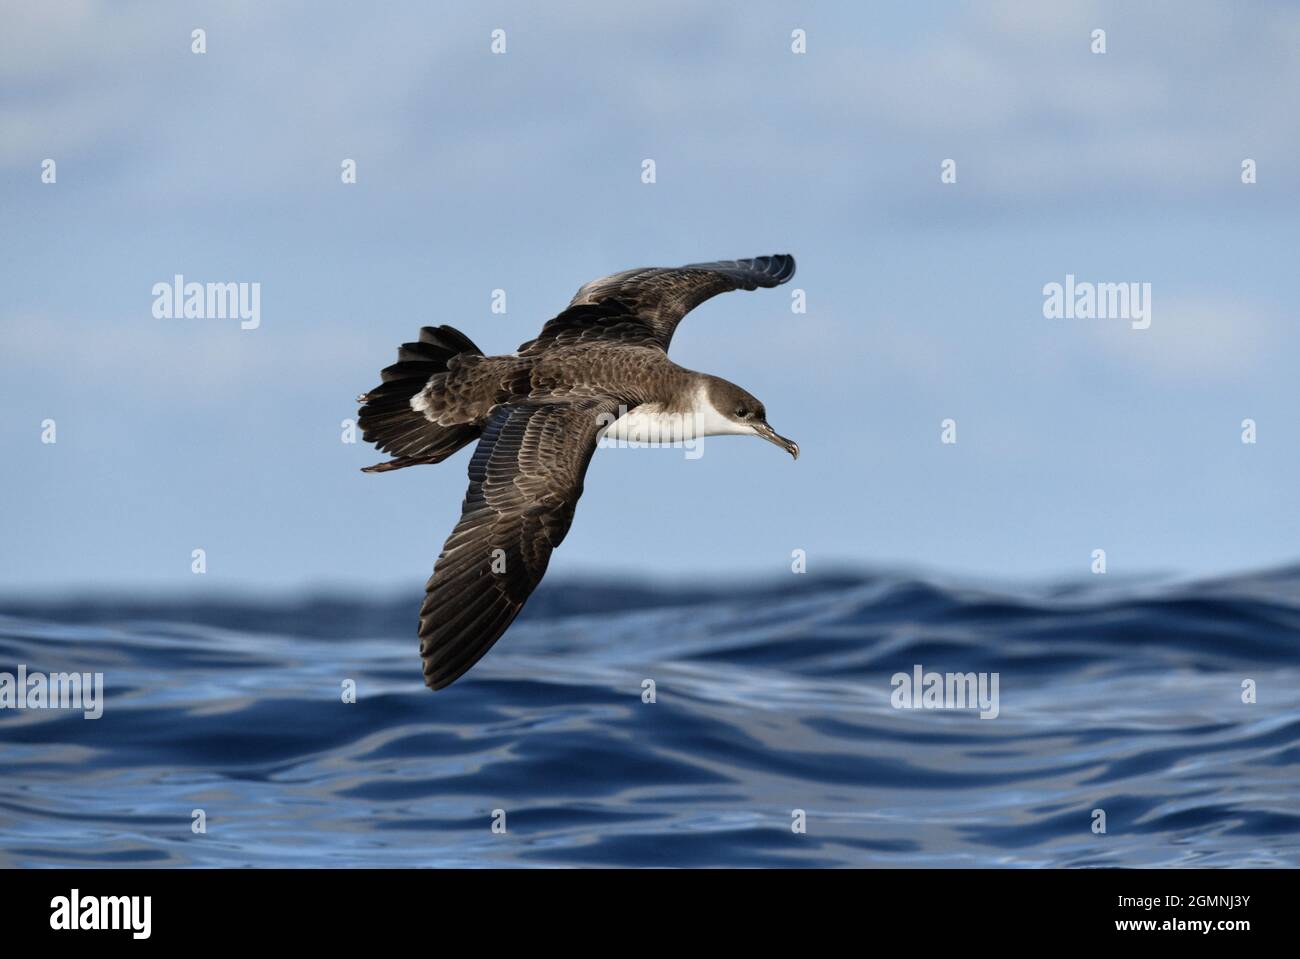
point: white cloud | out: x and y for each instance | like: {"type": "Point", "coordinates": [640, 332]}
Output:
{"type": "Point", "coordinates": [1194, 340]}
{"type": "Point", "coordinates": [1185, 91]}
{"type": "Point", "coordinates": [192, 362]}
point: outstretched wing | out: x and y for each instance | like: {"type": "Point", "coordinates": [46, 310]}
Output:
{"type": "Point", "coordinates": [645, 305]}
{"type": "Point", "coordinates": [524, 482]}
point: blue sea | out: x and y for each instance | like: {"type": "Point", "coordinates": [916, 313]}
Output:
{"type": "Point", "coordinates": [772, 710]}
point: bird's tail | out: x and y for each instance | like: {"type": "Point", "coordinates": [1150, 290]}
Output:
{"type": "Point", "coordinates": [387, 418]}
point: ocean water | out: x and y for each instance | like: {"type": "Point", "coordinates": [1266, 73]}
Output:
{"type": "Point", "coordinates": [768, 700]}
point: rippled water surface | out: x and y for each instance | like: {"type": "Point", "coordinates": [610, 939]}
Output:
{"type": "Point", "coordinates": [769, 700]}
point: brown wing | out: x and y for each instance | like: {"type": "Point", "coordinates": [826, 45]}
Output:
{"type": "Point", "coordinates": [524, 482]}
{"type": "Point", "coordinates": [645, 305]}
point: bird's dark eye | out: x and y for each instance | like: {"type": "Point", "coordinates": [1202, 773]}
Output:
{"type": "Point", "coordinates": [741, 412]}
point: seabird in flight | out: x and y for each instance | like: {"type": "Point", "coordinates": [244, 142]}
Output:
{"type": "Point", "coordinates": [599, 368]}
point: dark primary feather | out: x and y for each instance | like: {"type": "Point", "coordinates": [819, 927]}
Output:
{"type": "Point", "coordinates": [524, 482]}
{"type": "Point", "coordinates": [645, 305]}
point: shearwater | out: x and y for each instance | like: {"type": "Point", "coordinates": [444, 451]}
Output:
{"type": "Point", "coordinates": [599, 368]}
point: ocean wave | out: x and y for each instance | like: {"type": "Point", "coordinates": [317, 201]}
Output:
{"type": "Point", "coordinates": [769, 701]}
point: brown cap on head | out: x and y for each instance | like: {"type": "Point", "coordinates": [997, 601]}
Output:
{"type": "Point", "coordinates": [743, 408]}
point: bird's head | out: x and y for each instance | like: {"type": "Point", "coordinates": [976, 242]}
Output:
{"type": "Point", "coordinates": [737, 412]}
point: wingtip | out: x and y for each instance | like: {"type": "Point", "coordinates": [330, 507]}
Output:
{"type": "Point", "coordinates": [779, 266]}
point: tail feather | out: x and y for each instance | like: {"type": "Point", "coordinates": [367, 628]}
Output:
{"type": "Point", "coordinates": [387, 418]}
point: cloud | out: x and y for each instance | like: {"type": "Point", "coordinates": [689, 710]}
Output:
{"type": "Point", "coordinates": [1194, 340]}
{"type": "Point", "coordinates": [1009, 89]}
{"type": "Point", "coordinates": [1013, 89]}
{"type": "Point", "coordinates": [191, 362]}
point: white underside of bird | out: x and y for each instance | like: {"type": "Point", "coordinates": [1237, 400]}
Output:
{"type": "Point", "coordinates": [651, 423]}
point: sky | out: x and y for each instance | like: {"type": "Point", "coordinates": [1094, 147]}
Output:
{"type": "Point", "coordinates": [522, 171]}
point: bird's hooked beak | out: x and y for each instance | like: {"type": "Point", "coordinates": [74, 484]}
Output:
{"type": "Point", "coordinates": [772, 436]}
